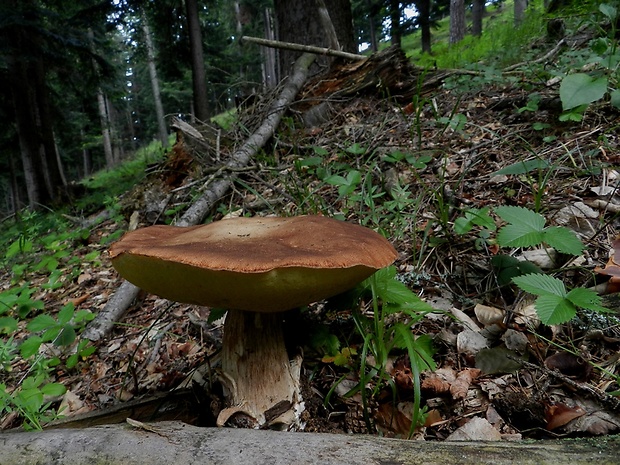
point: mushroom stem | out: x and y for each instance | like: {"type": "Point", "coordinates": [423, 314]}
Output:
{"type": "Point", "coordinates": [260, 382]}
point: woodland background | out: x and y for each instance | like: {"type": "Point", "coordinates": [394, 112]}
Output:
{"type": "Point", "coordinates": [87, 83]}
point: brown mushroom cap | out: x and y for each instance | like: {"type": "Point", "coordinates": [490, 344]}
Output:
{"type": "Point", "coordinates": [258, 264]}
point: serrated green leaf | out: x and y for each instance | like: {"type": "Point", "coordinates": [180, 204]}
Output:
{"type": "Point", "coordinates": [554, 309]}
{"type": "Point", "coordinates": [520, 215]}
{"type": "Point", "coordinates": [8, 325]}
{"type": "Point", "coordinates": [522, 235]}
{"type": "Point", "coordinates": [216, 314]}
{"type": "Point", "coordinates": [541, 285]}
{"type": "Point", "coordinates": [509, 267]}
{"type": "Point", "coordinates": [356, 149]}
{"type": "Point", "coordinates": [66, 336]}
{"type": "Point", "coordinates": [563, 240]}
{"type": "Point", "coordinates": [320, 151]}
{"type": "Point", "coordinates": [336, 180]}
{"type": "Point", "coordinates": [474, 217]}
{"type": "Point", "coordinates": [66, 313]}
{"type": "Point", "coordinates": [608, 10]}
{"type": "Point", "coordinates": [30, 346]}
{"type": "Point", "coordinates": [41, 323]}
{"type": "Point", "coordinates": [462, 225]}
{"type": "Point", "coordinates": [395, 292]}
{"type": "Point", "coordinates": [586, 298]}
{"type": "Point", "coordinates": [581, 89]}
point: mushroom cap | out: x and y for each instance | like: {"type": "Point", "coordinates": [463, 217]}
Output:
{"type": "Point", "coordinates": [257, 264]}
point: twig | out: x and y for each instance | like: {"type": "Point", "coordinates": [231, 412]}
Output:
{"type": "Point", "coordinates": [303, 48]}
{"type": "Point", "coordinates": [605, 399]}
{"type": "Point", "coordinates": [546, 56]}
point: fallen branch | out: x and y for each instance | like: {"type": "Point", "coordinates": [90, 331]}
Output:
{"type": "Point", "coordinates": [303, 48]}
{"type": "Point", "coordinates": [121, 300]}
{"type": "Point", "coordinates": [138, 443]}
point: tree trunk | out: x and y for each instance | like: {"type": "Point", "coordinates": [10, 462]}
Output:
{"type": "Point", "coordinates": [395, 15]}
{"type": "Point", "coordinates": [159, 108]}
{"type": "Point", "coordinates": [424, 21]}
{"type": "Point", "coordinates": [52, 168]}
{"type": "Point", "coordinates": [477, 13]}
{"type": "Point", "coordinates": [298, 22]}
{"type": "Point", "coordinates": [372, 26]}
{"type": "Point", "coordinates": [105, 128]}
{"type": "Point", "coordinates": [457, 21]}
{"type": "Point", "coordinates": [270, 62]}
{"type": "Point", "coordinates": [199, 75]}
{"type": "Point", "coordinates": [520, 6]}
{"type": "Point", "coordinates": [179, 443]}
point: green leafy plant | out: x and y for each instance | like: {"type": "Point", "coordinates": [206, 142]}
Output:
{"type": "Point", "coordinates": [556, 305]}
{"type": "Point", "coordinates": [579, 90]}
{"type": "Point", "coordinates": [30, 400]}
{"type": "Point", "coordinates": [381, 338]}
{"type": "Point", "coordinates": [526, 228]}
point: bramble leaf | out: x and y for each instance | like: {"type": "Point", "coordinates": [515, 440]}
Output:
{"type": "Point", "coordinates": [586, 298]}
{"type": "Point", "coordinates": [563, 240]}
{"type": "Point", "coordinates": [554, 309]}
{"type": "Point", "coordinates": [541, 285]}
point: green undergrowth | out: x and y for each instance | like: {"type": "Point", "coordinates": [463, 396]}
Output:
{"type": "Point", "coordinates": [45, 252]}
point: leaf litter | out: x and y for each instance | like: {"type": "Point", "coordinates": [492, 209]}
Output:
{"type": "Point", "coordinates": [410, 172]}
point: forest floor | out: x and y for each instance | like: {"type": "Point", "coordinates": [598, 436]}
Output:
{"type": "Point", "coordinates": [408, 171]}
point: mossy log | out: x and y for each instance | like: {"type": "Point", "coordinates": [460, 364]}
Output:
{"type": "Point", "coordinates": [178, 443]}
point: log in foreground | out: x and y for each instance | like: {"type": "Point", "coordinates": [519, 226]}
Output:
{"type": "Point", "coordinates": [179, 443]}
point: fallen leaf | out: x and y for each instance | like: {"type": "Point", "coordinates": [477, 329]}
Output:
{"type": "Point", "coordinates": [497, 360]}
{"type": "Point", "coordinates": [569, 364]}
{"type": "Point", "coordinates": [463, 380]}
{"type": "Point", "coordinates": [489, 315]}
{"type": "Point", "coordinates": [560, 414]}
{"type": "Point", "coordinates": [476, 429]}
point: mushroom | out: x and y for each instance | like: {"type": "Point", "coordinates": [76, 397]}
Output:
{"type": "Point", "coordinates": [255, 268]}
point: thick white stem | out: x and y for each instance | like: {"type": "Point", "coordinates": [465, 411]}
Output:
{"type": "Point", "coordinates": [260, 382]}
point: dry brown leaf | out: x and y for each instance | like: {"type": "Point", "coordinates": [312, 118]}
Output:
{"type": "Point", "coordinates": [438, 382]}
{"type": "Point", "coordinates": [463, 380]}
{"type": "Point", "coordinates": [392, 421]}
{"type": "Point", "coordinates": [560, 414]}
{"type": "Point", "coordinates": [569, 365]}
{"type": "Point", "coordinates": [433, 417]}
{"type": "Point", "coordinates": [79, 300]}
{"type": "Point", "coordinates": [489, 315]}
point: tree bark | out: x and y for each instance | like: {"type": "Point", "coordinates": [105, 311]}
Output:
{"type": "Point", "coordinates": [199, 75]}
{"type": "Point", "coordinates": [270, 70]}
{"type": "Point", "coordinates": [159, 108]}
{"type": "Point", "coordinates": [395, 16]}
{"type": "Point", "coordinates": [178, 443]}
{"type": "Point", "coordinates": [519, 12]}
{"type": "Point", "coordinates": [298, 22]}
{"type": "Point", "coordinates": [125, 295]}
{"type": "Point", "coordinates": [457, 21]}
{"type": "Point", "coordinates": [477, 13]}
{"type": "Point", "coordinates": [424, 21]}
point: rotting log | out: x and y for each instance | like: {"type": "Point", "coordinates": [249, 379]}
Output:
{"type": "Point", "coordinates": [179, 443]}
{"type": "Point", "coordinates": [120, 302]}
